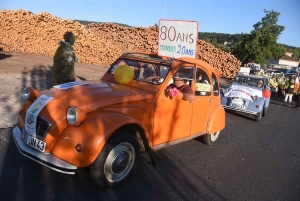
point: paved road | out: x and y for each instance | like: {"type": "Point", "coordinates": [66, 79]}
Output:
{"type": "Point", "coordinates": [250, 161]}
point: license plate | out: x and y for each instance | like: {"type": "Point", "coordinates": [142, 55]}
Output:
{"type": "Point", "coordinates": [33, 142]}
{"type": "Point", "coordinates": [238, 106]}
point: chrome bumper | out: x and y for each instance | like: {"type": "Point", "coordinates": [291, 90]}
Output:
{"type": "Point", "coordinates": [47, 160]}
{"type": "Point", "coordinates": [239, 110]}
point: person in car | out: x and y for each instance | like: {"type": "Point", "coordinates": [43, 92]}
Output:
{"type": "Point", "coordinates": [260, 83]}
{"type": "Point", "coordinates": [180, 85]}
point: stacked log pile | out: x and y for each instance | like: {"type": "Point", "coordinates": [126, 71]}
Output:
{"type": "Point", "coordinates": [26, 32]}
{"type": "Point", "coordinates": [96, 43]}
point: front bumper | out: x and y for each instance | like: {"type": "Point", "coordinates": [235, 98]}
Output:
{"type": "Point", "coordinates": [239, 110]}
{"type": "Point", "coordinates": [47, 160]}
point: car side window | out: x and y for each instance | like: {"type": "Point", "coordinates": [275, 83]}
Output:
{"type": "Point", "coordinates": [215, 85]}
{"type": "Point", "coordinates": [202, 86]}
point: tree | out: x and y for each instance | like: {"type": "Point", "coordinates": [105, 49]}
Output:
{"type": "Point", "coordinates": [261, 43]}
{"type": "Point", "coordinates": [296, 53]}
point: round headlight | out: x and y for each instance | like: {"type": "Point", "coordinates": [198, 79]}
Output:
{"type": "Point", "coordinates": [72, 115]}
{"type": "Point", "coordinates": [26, 94]}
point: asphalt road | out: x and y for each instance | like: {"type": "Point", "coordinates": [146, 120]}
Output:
{"type": "Point", "coordinates": [251, 160]}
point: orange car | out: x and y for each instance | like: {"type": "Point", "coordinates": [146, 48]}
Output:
{"type": "Point", "coordinates": [105, 125]}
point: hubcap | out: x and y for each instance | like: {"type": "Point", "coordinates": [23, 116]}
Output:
{"type": "Point", "coordinates": [119, 162]}
{"type": "Point", "coordinates": [214, 136]}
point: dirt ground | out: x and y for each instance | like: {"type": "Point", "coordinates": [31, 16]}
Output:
{"type": "Point", "coordinates": [18, 70]}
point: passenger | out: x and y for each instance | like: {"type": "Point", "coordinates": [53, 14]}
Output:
{"type": "Point", "coordinates": [181, 85]}
{"type": "Point", "coordinates": [260, 84]}
{"type": "Point", "coordinates": [148, 75]}
{"type": "Point", "coordinates": [200, 79]}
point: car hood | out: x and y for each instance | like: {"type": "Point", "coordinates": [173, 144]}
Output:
{"type": "Point", "coordinates": [51, 106]}
{"type": "Point", "coordinates": [237, 90]}
{"type": "Point", "coordinates": [92, 95]}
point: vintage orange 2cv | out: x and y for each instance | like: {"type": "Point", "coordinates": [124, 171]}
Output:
{"type": "Point", "coordinates": [105, 125]}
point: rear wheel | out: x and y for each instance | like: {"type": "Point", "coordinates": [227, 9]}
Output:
{"type": "Point", "coordinates": [209, 139]}
{"type": "Point", "coordinates": [116, 161]}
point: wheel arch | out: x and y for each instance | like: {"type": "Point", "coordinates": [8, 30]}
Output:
{"type": "Point", "coordinates": [217, 119]}
{"type": "Point", "coordinates": [93, 133]}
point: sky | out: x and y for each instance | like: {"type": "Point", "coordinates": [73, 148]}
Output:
{"type": "Point", "coordinates": [220, 16]}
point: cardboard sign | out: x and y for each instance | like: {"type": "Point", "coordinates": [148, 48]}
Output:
{"type": "Point", "coordinates": [202, 87]}
{"type": "Point", "coordinates": [177, 38]}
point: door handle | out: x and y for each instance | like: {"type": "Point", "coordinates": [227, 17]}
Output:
{"type": "Point", "coordinates": [211, 100]}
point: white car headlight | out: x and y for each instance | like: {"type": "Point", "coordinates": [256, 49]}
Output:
{"type": "Point", "coordinates": [75, 115]}
{"type": "Point", "coordinates": [72, 115]}
{"type": "Point", "coordinates": [26, 94]}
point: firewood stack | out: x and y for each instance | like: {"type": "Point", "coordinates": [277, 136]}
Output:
{"type": "Point", "coordinates": [99, 44]}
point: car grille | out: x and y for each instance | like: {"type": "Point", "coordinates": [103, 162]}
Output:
{"type": "Point", "coordinates": [42, 127]}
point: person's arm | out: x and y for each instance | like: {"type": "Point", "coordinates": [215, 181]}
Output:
{"type": "Point", "coordinates": [188, 93]}
{"type": "Point", "coordinates": [187, 96]}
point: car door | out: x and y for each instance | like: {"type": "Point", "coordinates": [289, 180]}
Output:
{"type": "Point", "coordinates": [202, 102]}
{"type": "Point", "coordinates": [172, 119]}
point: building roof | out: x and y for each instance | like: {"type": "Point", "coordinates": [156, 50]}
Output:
{"type": "Point", "coordinates": [288, 58]}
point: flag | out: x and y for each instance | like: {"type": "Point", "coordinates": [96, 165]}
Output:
{"type": "Point", "coordinates": [296, 84]}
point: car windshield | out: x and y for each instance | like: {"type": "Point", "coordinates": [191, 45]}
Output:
{"type": "Point", "coordinates": [249, 81]}
{"type": "Point", "coordinates": [143, 71]}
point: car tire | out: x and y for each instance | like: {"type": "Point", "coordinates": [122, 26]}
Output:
{"type": "Point", "coordinates": [258, 116]}
{"type": "Point", "coordinates": [209, 139]}
{"type": "Point", "coordinates": [265, 111]}
{"type": "Point", "coordinates": [116, 161]}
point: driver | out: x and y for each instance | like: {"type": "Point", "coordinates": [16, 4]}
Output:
{"type": "Point", "coordinates": [260, 83]}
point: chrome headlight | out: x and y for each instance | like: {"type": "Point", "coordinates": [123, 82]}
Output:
{"type": "Point", "coordinates": [29, 93]}
{"type": "Point", "coordinates": [72, 115]}
{"type": "Point", "coordinates": [75, 115]}
{"type": "Point", "coordinates": [26, 94]}
{"type": "Point", "coordinates": [255, 98]}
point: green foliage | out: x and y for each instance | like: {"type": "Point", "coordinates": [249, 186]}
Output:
{"type": "Point", "coordinates": [296, 53]}
{"type": "Point", "coordinates": [261, 43]}
{"type": "Point", "coordinates": [219, 37]}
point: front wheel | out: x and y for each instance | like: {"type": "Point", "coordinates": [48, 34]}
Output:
{"type": "Point", "coordinates": [258, 116]}
{"type": "Point", "coordinates": [265, 111]}
{"type": "Point", "coordinates": [209, 139]}
{"type": "Point", "coordinates": [116, 161]}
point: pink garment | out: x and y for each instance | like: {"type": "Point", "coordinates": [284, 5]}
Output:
{"type": "Point", "coordinates": [173, 92]}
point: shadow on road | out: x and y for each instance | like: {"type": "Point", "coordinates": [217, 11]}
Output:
{"type": "Point", "coordinates": [4, 56]}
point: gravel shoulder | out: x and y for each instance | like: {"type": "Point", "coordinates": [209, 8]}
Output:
{"type": "Point", "coordinates": [18, 70]}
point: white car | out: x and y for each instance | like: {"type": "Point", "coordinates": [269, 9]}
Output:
{"type": "Point", "coordinates": [244, 95]}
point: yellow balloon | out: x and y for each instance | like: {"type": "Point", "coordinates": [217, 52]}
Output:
{"type": "Point", "coordinates": [123, 74]}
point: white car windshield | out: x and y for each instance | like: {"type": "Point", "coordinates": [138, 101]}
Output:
{"type": "Point", "coordinates": [249, 81]}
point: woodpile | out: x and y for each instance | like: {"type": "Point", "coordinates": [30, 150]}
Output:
{"type": "Point", "coordinates": [99, 44]}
